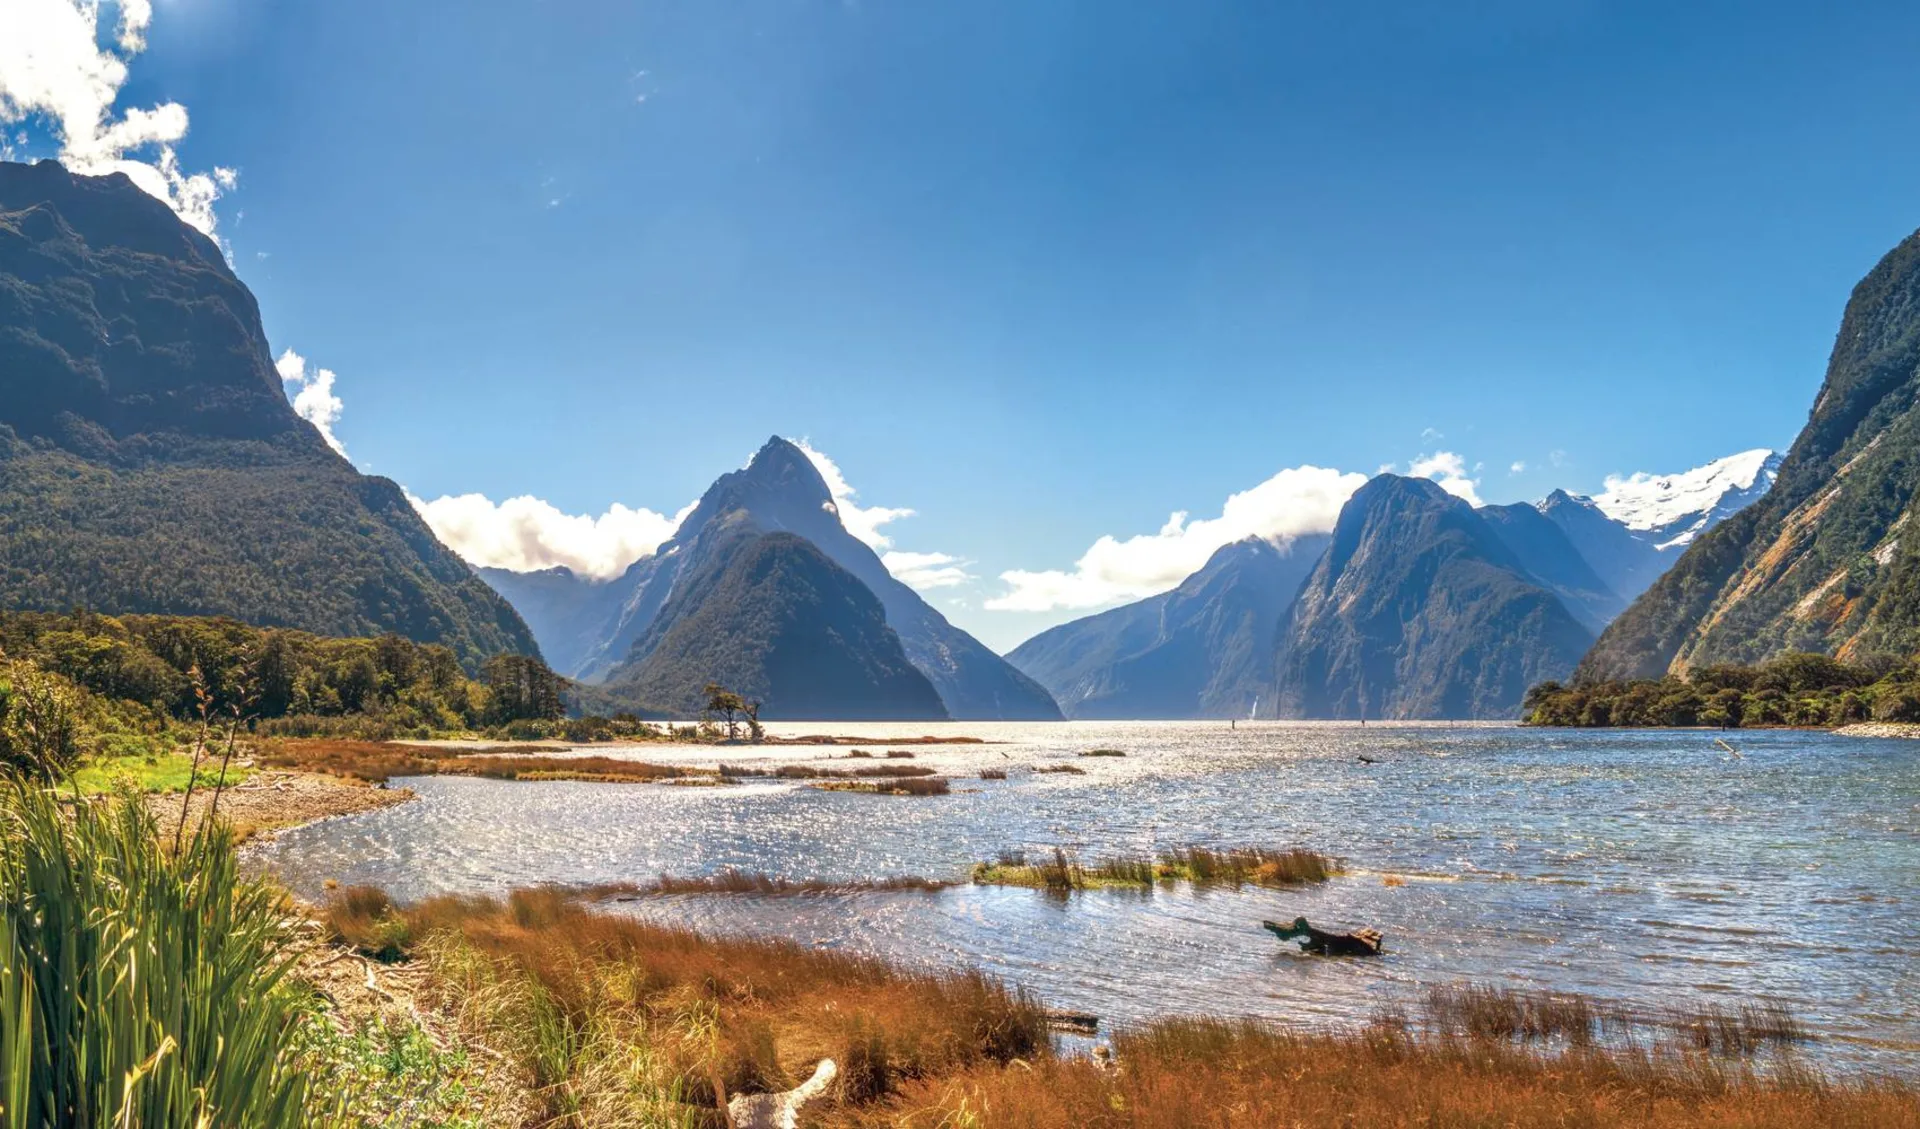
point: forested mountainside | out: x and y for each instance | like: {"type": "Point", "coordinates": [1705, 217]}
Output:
{"type": "Point", "coordinates": [150, 462]}
{"type": "Point", "coordinates": [1822, 562]}
{"type": "Point", "coordinates": [770, 617]}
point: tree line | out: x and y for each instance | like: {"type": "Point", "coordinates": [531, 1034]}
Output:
{"type": "Point", "coordinates": [1803, 689]}
{"type": "Point", "coordinates": [179, 667]}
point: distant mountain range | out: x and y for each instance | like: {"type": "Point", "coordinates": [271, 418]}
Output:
{"type": "Point", "coordinates": [150, 462]}
{"type": "Point", "coordinates": [1825, 560]}
{"type": "Point", "coordinates": [1416, 606]}
{"type": "Point", "coordinates": [612, 632]}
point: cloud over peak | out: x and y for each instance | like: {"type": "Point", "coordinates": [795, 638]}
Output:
{"type": "Point", "coordinates": [54, 67]}
{"type": "Point", "coordinates": [527, 533]}
{"type": "Point", "coordinates": [1296, 501]}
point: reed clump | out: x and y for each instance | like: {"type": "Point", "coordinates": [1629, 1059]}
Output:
{"type": "Point", "coordinates": [1200, 866]}
{"type": "Point", "coordinates": [993, 774]}
{"type": "Point", "coordinates": [1103, 753]}
{"type": "Point", "coordinates": [1062, 769]}
{"type": "Point", "coordinates": [891, 785]}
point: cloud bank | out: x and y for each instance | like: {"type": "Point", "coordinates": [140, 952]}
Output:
{"type": "Point", "coordinates": [528, 533]}
{"type": "Point", "coordinates": [54, 67]}
{"type": "Point", "coordinates": [1296, 501]}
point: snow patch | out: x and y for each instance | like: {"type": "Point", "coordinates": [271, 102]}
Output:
{"type": "Point", "coordinates": [1676, 508]}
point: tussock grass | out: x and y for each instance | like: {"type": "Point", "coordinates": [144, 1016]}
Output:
{"type": "Point", "coordinates": [615, 1022]}
{"type": "Point", "coordinates": [1182, 1073]}
{"type": "Point", "coordinates": [1103, 753]}
{"type": "Point", "coordinates": [993, 774]}
{"type": "Point", "coordinates": [376, 762]}
{"type": "Point", "coordinates": [140, 986]}
{"type": "Point", "coordinates": [816, 772]}
{"type": "Point", "coordinates": [1200, 866]}
{"type": "Point", "coordinates": [1062, 769]}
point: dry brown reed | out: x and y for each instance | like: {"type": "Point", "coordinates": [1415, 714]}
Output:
{"type": "Point", "coordinates": [1178, 1074]}
{"type": "Point", "coordinates": [376, 762]}
{"type": "Point", "coordinates": [612, 1021]}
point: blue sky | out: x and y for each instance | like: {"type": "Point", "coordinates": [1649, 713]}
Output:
{"type": "Point", "coordinates": [1039, 271]}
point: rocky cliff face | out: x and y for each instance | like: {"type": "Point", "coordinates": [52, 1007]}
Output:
{"type": "Point", "coordinates": [769, 616]}
{"type": "Point", "coordinates": [1204, 649]}
{"type": "Point", "coordinates": [1419, 610]}
{"type": "Point", "coordinates": [781, 492]}
{"type": "Point", "coordinates": [149, 461]}
{"type": "Point", "coordinates": [1823, 561]}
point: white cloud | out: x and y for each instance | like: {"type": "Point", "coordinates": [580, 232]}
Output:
{"type": "Point", "coordinates": [1296, 501]}
{"type": "Point", "coordinates": [311, 391]}
{"type": "Point", "coordinates": [527, 533]}
{"type": "Point", "coordinates": [1450, 471]}
{"type": "Point", "coordinates": [53, 67]}
{"type": "Point", "coordinates": [1518, 467]}
{"type": "Point", "coordinates": [863, 522]}
{"type": "Point", "coordinates": [925, 571]}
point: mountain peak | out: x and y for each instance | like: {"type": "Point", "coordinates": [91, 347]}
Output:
{"type": "Point", "coordinates": [1674, 508]}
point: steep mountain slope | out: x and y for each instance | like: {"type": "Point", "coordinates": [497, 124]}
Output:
{"type": "Point", "coordinates": [563, 609]}
{"type": "Point", "coordinates": [780, 491]}
{"type": "Point", "coordinates": [1204, 649]}
{"type": "Point", "coordinates": [770, 616]}
{"type": "Point", "coordinates": [149, 461]}
{"type": "Point", "coordinates": [1623, 560]}
{"type": "Point", "coordinates": [1419, 610]}
{"type": "Point", "coordinates": [1552, 559]}
{"type": "Point", "coordinates": [1819, 563]}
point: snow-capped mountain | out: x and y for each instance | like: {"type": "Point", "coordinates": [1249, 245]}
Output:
{"type": "Point", "coordinates": [1670, 510]}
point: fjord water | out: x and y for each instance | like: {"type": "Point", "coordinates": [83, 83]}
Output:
{"type": "Point", "coordinates": [1648, 868]}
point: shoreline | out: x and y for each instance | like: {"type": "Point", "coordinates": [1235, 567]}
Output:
{"type": "Point", "coordinates": [276, 800]}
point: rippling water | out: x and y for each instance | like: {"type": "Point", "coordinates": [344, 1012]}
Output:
{"type": "Point", "coordinates": [1647, 868]}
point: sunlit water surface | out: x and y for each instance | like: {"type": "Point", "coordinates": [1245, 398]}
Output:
{"type": "Point", "coordinates": [1647, 868]}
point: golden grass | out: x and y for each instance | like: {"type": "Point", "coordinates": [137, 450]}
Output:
{"type": "Point", "coordinates": [893, 786]}
{"type": "Point", "coordinates": [1179, 1074]}
{"type": "Point", "coordinates": [610, 1021]}
{"type": "Point", "coordinates": [1062, 769]}
{"type": "Point", "coordinates": [378, 761]}
{"type": "Point", "coordinates": [1240, 866]}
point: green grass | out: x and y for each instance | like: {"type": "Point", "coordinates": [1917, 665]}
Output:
{"type": "Point", "coordinates": [139, 986]}
{"type": "Point", "coordinates": [166, 773]}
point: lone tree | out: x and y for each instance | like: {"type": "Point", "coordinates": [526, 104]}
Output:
{"type": "Point", "coordinates": [729, 705]}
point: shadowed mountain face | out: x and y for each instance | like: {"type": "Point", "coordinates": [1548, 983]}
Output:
{"type": "Point", "coordinates": [1824, 561]}
{"type": "Point", "coordinates": [1204, 649]}
{"type": "Point", "coordinates": [1625, 562]}
{"type": "Point", "coordinates": [564, 610]}
{"type": "Point", "coordinates": [1551, 558]}
{"type": "Point", "coordinates": [149, 461]}
{"type": "Point", "coordinates": [769, 616]}
{"type": "Point", "coordinates": [781, 492]}
{"type": "Point", "coordinates": [1418, 609]}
